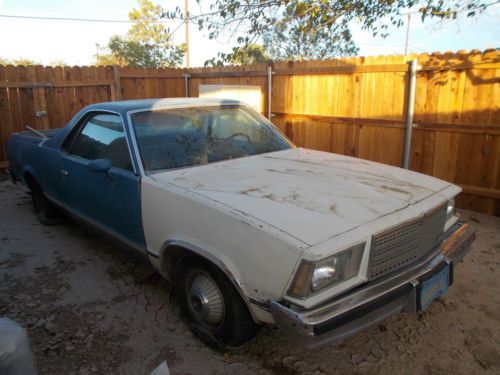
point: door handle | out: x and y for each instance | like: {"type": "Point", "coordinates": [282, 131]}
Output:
{"type": "Point", "coordinates": [64, 172]}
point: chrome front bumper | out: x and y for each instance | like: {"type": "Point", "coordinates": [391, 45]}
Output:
{"type": "Point", "coordinates": [373, 302]}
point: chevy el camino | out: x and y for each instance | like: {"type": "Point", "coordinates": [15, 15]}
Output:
{"type": "Point", "coordinates": [250, 229]}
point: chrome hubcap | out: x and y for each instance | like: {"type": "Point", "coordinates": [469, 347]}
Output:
{"type": "Point", "coordinates": [205, 299]}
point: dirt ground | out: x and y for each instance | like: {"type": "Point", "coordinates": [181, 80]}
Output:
{"type": "Point", "coordinates": [90, 308]}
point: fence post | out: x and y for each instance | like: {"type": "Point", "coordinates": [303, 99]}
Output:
{"type": "Point", "coordinates": [269, 90]}
{"type": "Point", "coordinates": [40, 104]}
{"type": "Point", "coordinates": [409, 113]}
{"type": "Point", "coordinates": [118, 84]}
{"type": "Point", "coordinates": [186, 84]}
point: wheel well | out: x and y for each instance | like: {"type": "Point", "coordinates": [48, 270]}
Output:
{"type": "Point", "coordinates": [172, 256]}
{"type": "Point", "coordinates": [174, 253]}
{"type": "Point", "coordinates": [30, 181]}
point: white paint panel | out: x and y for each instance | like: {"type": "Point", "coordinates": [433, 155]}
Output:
{"type": "Point", "coordinates": [309, 195]}
{"type": "Point", "coordinates": [259, 215]}
{"type": "Point", "coordinates": [261, 262]}
{"type": "Point", "coordinates": [250, 95]}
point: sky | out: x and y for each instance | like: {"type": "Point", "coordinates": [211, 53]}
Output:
{"type": "Point", "coordinates": [75, 43]}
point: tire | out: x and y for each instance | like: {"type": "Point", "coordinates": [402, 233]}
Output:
{"type": "Point", "coordinates": [215, 310]}
{"type": "Point", "coordinates": [46, 212]}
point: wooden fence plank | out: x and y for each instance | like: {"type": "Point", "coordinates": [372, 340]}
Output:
{"type": "Point", "coordinates": [5, 116]}
{"type": "Point", "coordinates": [40, 100]}
{"type": "Point", "coordinates": [70, 92]}
{"type": "Point", "coordinates": [482, 192]}
{"type": "Point", "coordinates": [118, 84]}
{"type": "Point", "coordinates": [52, 84]}
{"type": "Point", "coordinates": [15, 111]}
{"type": "Point", "coordinates": [56, 102]}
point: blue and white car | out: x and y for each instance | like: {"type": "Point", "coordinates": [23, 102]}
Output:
{"type": "Point", "coordinates": [250, 229]}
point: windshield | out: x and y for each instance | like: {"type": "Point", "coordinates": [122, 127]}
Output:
{"type": "Point", "coordinates": [182, 137]}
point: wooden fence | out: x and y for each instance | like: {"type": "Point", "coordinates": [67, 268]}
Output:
{"type": "Point", "coordinates": [356, 106]}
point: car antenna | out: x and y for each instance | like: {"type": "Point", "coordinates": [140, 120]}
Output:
{"type": "Point", "coordinates": [35, 131]}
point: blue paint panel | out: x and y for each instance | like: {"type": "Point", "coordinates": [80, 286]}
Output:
{"type": "Point", "coordinates": [110, 200]}
{"type": "Point", "coordinates": [434, 287]}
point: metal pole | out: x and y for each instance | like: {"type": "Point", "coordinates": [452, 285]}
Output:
{"type": "Point", "coordinates": [269, 90]}
{"type": "Point", "coordinates": [407, 32]}
{"type": "Point", "coordinates": [186, 27]}
{"type": "Point", "coordinates": [410, 111]}
{"type": "Point", "coordinates": [186, 85]}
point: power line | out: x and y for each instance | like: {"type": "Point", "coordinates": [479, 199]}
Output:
{"type": "Point", "coordinates": [43, 18]}
{"type": "Point", "coordinates": [72, 19]}
{"type": "Point", "coordinates": [190, 17]}
{"type": "Point", "coordinates": [83, 20]}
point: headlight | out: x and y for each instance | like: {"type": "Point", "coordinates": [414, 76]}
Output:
{"type": "Point", "coordinates": [325, 272]}
{"type": "Point", "coordinates": [450, 209]}
{"type": "Point", "coordinates": [313, 277]}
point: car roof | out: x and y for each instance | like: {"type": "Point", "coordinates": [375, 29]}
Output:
{"type": "Point", "coordinates": [125, 106]}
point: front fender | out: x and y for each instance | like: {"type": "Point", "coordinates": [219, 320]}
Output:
{"type": "Point", "coordinates": [258, 261]}
{"type": "Point", "coordinates": [225, 265]}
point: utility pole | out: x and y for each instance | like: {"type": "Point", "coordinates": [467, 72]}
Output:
{"type": "Point", "coordinates": [407, 32]}
{"type": "Point", "coordinates": [186, 25]}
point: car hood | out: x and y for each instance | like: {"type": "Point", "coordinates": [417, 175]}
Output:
{"type": "Point", "coordinates": [310, 195]}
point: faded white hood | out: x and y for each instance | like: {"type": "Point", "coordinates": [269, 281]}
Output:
{"type": "Point", "coordinates": [310, 195]}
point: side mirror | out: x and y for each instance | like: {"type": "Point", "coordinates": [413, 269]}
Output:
{"type": "Point", "coordinates": [100, 165]}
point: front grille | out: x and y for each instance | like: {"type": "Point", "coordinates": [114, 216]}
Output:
{"type": "Point", "coordinates": [404, 244]}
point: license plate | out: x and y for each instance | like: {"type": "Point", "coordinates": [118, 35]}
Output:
{"type": "Point", "coordinates": [434, 287]}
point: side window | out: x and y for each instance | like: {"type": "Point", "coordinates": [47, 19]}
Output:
{"type": "Point", "coordinates": [103, 137]}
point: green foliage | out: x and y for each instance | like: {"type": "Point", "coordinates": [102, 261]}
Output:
{"type": "Point", "coordinates": [25, 62]}
{"type": "Point", "coordinates": [58, 63]}
{"type": "Point", "coordinates": [292, 41]}
{"type": "Point", "coordinates": [291, 28]}
{"type": "Point", "coordinates": [249, 54]}
{"type": "Point", "coordinates": [19, 61]}
{"type": "Point", "coordinates": [245, 55]}
{"type": "Point", "coordinates": [148, 43]}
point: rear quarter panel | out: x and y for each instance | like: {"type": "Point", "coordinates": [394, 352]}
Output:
{"type": "Point", "coordinates": [28, 154]}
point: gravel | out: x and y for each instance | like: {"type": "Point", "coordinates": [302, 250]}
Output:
{"type": "Point", "coordinates": [91, 307]}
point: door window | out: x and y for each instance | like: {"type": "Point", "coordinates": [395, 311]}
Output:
{"type": "Point", "coordinates": [103, 137]}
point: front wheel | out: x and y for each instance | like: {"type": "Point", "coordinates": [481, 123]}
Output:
{"type": "Point", "coordinates": [217, 313]}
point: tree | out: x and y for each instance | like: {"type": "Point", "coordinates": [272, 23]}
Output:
{"type": "Point", "coordinates": [256, 18]}
{"type": "Point", "coordinates": [148, 43]}
{"type": "Point", "coordinates": [249, 54]}
{"type": "Point", "coordinates": [245, 55]}
{"type": "Point", "coordinates": [293, 41]}
{"type": "Point", "coordinates": [19, 61]}
{"type": "Point", "coordinates": [58, 63]}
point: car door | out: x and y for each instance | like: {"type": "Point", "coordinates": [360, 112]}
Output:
{"type": "Point", "coordinates": [108, 199]}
